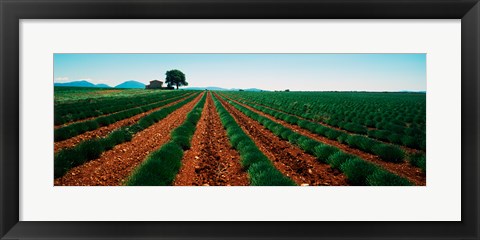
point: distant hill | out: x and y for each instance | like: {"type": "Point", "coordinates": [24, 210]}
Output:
{"type": "Point", "coordinates": [130, 84]}
{"type": "Point", "coordinates": [223, 89]}
{"type": "Point", "coordinates": [80, 83]}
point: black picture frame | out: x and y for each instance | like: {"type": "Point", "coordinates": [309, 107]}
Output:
{"type": "Point", "coordinates": [12, 11]}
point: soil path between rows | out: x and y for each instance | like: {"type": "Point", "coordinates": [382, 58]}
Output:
{"type": "Point", "coordinates": [106, 114]}
{"type": "Point", "coordinates": [211, 161]}
{"type": "Point", "coordinates": [114, 166]}
{"type": "Point", "coordinates": [406, 149]}
{"type": "Point", "coordinates": [105, 130]}
{"type": "Point", "coordinates": [404, 169]}
{"type": "Point", "coordinates": [293, 162]}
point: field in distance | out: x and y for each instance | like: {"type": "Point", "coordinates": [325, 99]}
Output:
{"type": "Point", "coordinates": [142, 137]}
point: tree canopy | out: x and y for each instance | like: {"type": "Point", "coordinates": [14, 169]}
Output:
{"type": "Point", "coordinates": [175, 78]}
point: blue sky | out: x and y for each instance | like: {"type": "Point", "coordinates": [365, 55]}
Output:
{"type": "Point", "coordinates": [307, 72]}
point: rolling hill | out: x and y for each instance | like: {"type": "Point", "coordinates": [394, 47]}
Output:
{"type": "Point", "coordinates": [80, 83]}
{"type": "Point", "coordinates": [130, 84]}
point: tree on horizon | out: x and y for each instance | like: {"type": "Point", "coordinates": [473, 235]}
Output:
{"type": "Point", "coordinates": [175, 78]}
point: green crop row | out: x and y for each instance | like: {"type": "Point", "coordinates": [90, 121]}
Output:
{"type": "Point", "coordinates": [398, 108]}
{"type": "Point", "coordinates": [65, 96]}
{"type": "Point", "coordinates": [406, 140]}
{"type": "Point", "coordinates": [357, 170]}
{"type": "Point", "coordinates": [161, 166]}
{"type": "Point", "coordinates": [386, 152]}
{"type": "Point", "coordinates": [87, 150]}
{"type": "Point", "coordinates": [104, 101]}
{"type": "Point", "coordinates": [78, 128]}
{"type": "Point", "coordinates": [258, 166]}
{"type": "Point", "coordinates": [418, 160]}
{"type": "Point", "coordinates": [393, 132]}
{"type": "Point", "coordinates": [399, 116]}
{"type": "Point", "coordinates": [68, 112]}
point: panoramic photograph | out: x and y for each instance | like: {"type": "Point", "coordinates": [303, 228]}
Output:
{"type": "Point", "coordinates": [239, 119]}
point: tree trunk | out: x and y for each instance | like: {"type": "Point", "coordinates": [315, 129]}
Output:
{"type": "Point", "coordinates": [177, 86]}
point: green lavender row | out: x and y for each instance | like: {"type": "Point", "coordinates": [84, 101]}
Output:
{"type": "Point", "coordinates": [69, 112]}
{"type": "Point", "coordinates": [357, 170]}
{"type": "Point", "coordinates": [78, 128]}
{"type": "Point", "coordinates": [399, 118]}
{"type": "Point", "coordinates": [91, 149]}
{"type": "Point", "coordinates": [161, 166]}
{"type": "Point", "coordinates": [258, 166]}
{"type": "Point", "coordinates": [386, 152]}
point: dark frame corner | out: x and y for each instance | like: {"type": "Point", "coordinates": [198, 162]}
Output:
{"type": "Point", "coordinates": [11, 11]}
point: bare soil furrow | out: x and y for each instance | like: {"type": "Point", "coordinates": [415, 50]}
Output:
{"type": "Point", "coordinates": [404, 148]}
{"type": "Point", "coordinates": [211, 160]}
{"type": "Point", "coordinates": [293, 162]}
{"type": "Point", "coordinates": [414, 174]}
{"type": "Point", "coordinates": [103, 131]}
{"type": "Point", "coordinates": [114, 166]}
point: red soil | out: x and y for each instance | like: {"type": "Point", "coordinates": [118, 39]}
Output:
{"type": "Point", "coordinates": [293, 162]}
{"type": "Point", "coordinates": [406, 149]}
{"type": "Point", "coordinates": [211, 160]}
{"type": "Point", "coordinates": [105, 130]}
{"type": "Point", "coordinates": [414, 174]}
{"type": "Point", "coordinates": [114, 166]}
